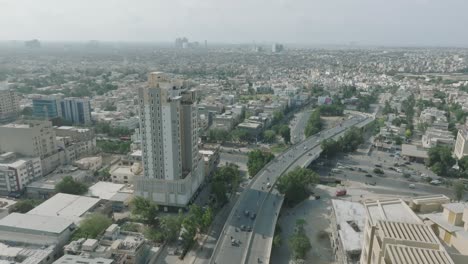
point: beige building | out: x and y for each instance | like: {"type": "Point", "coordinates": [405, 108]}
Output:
{"type": "Point", "coordinates": [451, 225]}
{"type": "Point", "coordinates": [461, 146]}
{"type": "Point", "coordinates": [172, 168]}
{"type": "Point", "coordinates": [32, 138]}
{"type": "Point", "coordinates": [394, 234]}
{"type": "Point", "coordinates": [9, 104]}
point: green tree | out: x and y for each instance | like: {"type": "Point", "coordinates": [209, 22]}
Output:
{"type": "Point", "coordinates": [314, 124]}
{"type": "Point", "coordinates": [218, 135]}
{"type": "Point", "coordinates": [285, 132]}
{"type": "Point", "coordinates": [463, 164]}
{"type": "Point", "coordinates": [458, 189]}
{"type": "Point", "coordinates": [70, 186]}
{"type": "Point", "coordinates": [299, 242]}
{"type": "Point", "coordinates": [277, 117]}
{"type": "Point", "coordinates": [24, 206]}
{"type": "Point", "coordinates": [170, 227]}
{"type": "Point", "coordinates": [296, 184]}
{"type": "Point", "coordinates": [145, 210]}
{"type": "Point", "coordinates": [330, 148]}
{"type": "Point", "coordinates": [207, 218]}
{"type": "Point", "coordinates": [440, 159]}
{"type": "Point", "coordinates": [408, 133]}
{"type": "Point", "coordinates": [256, 160]}
{"type": "Point", "coordinates": [269, 136]}
{"type": "Point", "coordinates": [27, 111]}
{"type": "Point", "coordinates": [225, 179]}
{"type": "Point", "coordinates": [92, 226]}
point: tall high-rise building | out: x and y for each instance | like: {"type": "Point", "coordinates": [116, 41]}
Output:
{"type": "Point", "coordinates": [9, 104]}
{"type": "Point", "coordinates": [47, 107]}
{"type": "Point", "coordinates": [173, 170]}
{"type": "Point", "coordinates": [461, 145]}
{"type": "Point", "coordinates": [76, 110]}
{"type": "Point", "coordinates": [73, 109]}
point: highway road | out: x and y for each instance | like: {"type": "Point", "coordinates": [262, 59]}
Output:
{"type": "Point", "coordinates": [298, 125]}
{"type": "Point", "coordinates": [256, 209]}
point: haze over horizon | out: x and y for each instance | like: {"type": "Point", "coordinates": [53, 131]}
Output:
{"type": "Point", "coordinates": [366, 22]}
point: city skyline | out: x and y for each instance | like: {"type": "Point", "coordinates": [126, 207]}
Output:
{"type": "Point", "coordinates": [399, 23]}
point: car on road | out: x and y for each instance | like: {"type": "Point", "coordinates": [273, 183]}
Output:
{"type": "Point", "coordinates": [378, 165]}
{"type": "Point", "coordinates": [336, 170]}
{"type": "Point", "coordinates": [248, 229]}
{"type": "Point", "coordinates": [234, 242]}
{"type": "Point", "coordinates": [246, 213]}
{"type": "Point", "coordinates": [369, 175]}
{"type": "Point", "coordinates": [412, 186]}
{"type": "Point", "coordinates": [253, 216]}
{"type": "Point", "coordinates": [435, 182]}
{"type": "Point", "coordinates": [341, 192]}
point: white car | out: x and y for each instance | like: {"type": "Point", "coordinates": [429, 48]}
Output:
{"type": "Point", "coordinates": [412, 186]}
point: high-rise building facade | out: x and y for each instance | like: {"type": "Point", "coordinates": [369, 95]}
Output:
{"type": "Point", "coordinates": [173, 170]}
{"type": "Point", "coordinates": [461, 145]}
{"type": "Point", "coordinates": [76, 110]}
{"type": "Point", "coordinates": [73, 109]}
{"type": "Point", "coordinates": [48, 107]}
{"type": "Point", "coordinates": [9, 104]}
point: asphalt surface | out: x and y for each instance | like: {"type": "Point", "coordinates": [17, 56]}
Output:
{"type": "Point", "coordinates": [255, 246]}
{"type": "Point", "coordinates": [298, 126]}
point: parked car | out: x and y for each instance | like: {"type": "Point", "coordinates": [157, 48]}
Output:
{"type": "Point", "coordinates": [369, 175]}
{"type": "Point", "coordinates": [378, 165]}
{"type": "Point", "coordinates": [435, 182]}
{"type": "Point", "coordinates": [412, 186]}
{"type": "Point", "coordinates": [341, 192]}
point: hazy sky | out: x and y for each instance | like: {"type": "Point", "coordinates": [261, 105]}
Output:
{"type": "Point", "coordinates": [390, 22]}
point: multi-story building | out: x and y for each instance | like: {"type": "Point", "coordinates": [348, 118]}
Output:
{"type": "Point", "coordinates": [31, 138]}
{"type": "Point", "coordinates": [9, 104]}
{"type": "Point", "coordinates": [394, 234]}
{"type": "Point", "coordinates": [461, 146]}
{"type": "Point", "coordinates": [47, 107]}
{"type": "Point", "coordinates": [76, 110]}
{"type": "Point", "coordinates": [75, 143]}
{"type": "Point", "coordinates": [16, 173]}
{"type": "Point", "coordinates": [172, 168]}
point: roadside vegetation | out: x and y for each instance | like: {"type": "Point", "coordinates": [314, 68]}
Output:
{"type": "Point", "coordinates": [345, 144]}
{"type": "Point", "coordinates": [297, 184]}
{"type": "Point", "coordinates": [299, 242]}
{"type": "Point", "coordinates": [257, 159]}
{"type": "Point", "coordinates": [71, 186]}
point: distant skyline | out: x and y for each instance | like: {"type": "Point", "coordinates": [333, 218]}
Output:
{"type": "Point", "coordinates": [365, 22]}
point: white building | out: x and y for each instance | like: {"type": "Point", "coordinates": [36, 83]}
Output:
{"type": "Point", "coordinates": [16, 173]}
{"type": "Point", "coordinates": [9, 104]}
{"type": "Point", "coordinates": [461, 146]}
{"type": "Point", "coordinates": [172, 168]}
{"type": "Point", "coordinates": [36, 229]}
{"type": "Point", "coordinates": [26, 254]}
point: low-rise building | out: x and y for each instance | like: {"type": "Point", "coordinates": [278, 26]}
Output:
{"type": "Point", "coordinates": [224, 122]}
{"type": "Point", "coordinates": [394, 234]}
{"type": "Point", "coordinates": [90, 163]}
{"type": "Point", "coordinates": [67, 206]}
{"type": "Point", "coordinates": [461, 145]}
{"type": "Point", "coordinates": [125, 173]}
{"type": "Point", "coordinates": [347, 223]}
{"type": "Point", "coordinates": [437, 137]}
{"type": "Point", "coordinates": [252, 128]}
{"type": "Point", "coordinates": [44, 187]}
{"type": "Point", "coordinates": [122, 247]}
{"type": "Point", "coordinates": [73, 259]}
{"type": "Point", "coordinates": [36, 229]}
{"type": "Point", "coordinates": [6, 205]}
{"type": "Point", "coordinates": [414, 153]}
{"type": "Point", "coordinates": [26, 254]}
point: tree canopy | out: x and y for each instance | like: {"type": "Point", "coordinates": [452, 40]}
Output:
{"type": "Point", "coordinates": [314, 124]}
{"type": "Point", "coordinates": [299, 242]}
{"type": "Point", "coordinates": [24, 206]}
{"type": "Point", "coordinates": [70, 186]}
{"type": "Point", "coordinates": [257, 159]}
{"type": "Point", "coordinates": [224, 180]}
{"type": "Point", "coordinates": [458, 189]}
{"type": "Point", "coordinates": [347, 143]}
{"type": "Point", "coordinates": [92, 226]}
{"type": "Point", "coordinates": [296, 184]}
{"type": "Point", "coordinates": [440, 159]}
{"type": "Point", "coordinates": [145, 209]}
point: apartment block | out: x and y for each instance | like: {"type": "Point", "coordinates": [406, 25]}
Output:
{"type": "Point", "coordinates": [172, 168]}
{"type": "Point", "coordinates": [47, 107]}
{"type": "Point", "coordinates": [394, 234]}
{"type": "Point", "coordinates": [9, 104]}
{"type": "Point", "coordinates": [16, 172]}
{"type": "Point", "coordinates": [31, 138]}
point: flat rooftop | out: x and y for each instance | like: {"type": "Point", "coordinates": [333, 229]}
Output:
{"type": "Point", "coordinates": [351, 217]}
{"type": "Point", "coordinates": [105, 190]}
{"type": "Point", "coordinates": [399, 254]}
{"type": "Point", "coordinates": [413, 151]}
{"type": "Point", "coordinates": [407, 231]}
{"type": "Point", "coordinates": [72, 259]}
{"type": "Point", "coordinates": [394, 210]}
{"type": "Point", "coordinates": [68, 206]}
{"type": "Point", "coordinates": [26, 222]}
{"type": "Point", "coordinates": [457, 208]}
